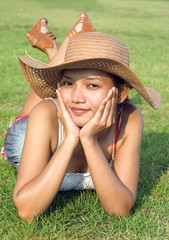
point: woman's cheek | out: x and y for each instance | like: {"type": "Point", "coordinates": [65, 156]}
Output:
{"type": "Point", "coordinates": [65, 96]}
{"type": "Point", "coordinates": [100, 97]}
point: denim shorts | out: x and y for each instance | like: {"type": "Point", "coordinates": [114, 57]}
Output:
{"type": "Point", "coordinates": [14, 140]}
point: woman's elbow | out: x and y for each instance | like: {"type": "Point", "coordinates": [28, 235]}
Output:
{"type": "Point", "coordinates": [121, 210]}
{"type": "Point", "coordinates": [23, 211]}
{"type": "Point", "coordinates": [25, 216]}
{"type": "Point", "coordinates": [118, 212]}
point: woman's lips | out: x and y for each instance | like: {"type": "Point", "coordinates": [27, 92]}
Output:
{"type": "Point", "coordinates": [79, 111]}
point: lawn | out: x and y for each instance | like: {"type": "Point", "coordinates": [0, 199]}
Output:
{"type": "Point", "coordinates": [144, 27]}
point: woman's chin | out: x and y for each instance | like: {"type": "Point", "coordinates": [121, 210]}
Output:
{"type": "Point", "coordinates": [80, 122]}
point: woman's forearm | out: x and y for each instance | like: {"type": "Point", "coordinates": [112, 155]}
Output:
{"type": "Point", "coordinates": [36, 196]}
{"type": "Point", "coordinates": [114, 196]}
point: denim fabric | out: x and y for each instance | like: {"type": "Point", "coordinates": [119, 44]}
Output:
{"type": "Point", "coordinates": [14, 141]}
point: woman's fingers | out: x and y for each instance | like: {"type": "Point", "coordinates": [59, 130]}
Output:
{"type": "Point", "coordinates": [99, 114]}
{"type": "Point", "coordinates": [108, 105]}
{"type": "Point", "coordinates": [109, 109]}
{"type": "Point", "coordinates": [69, 127]}
{"type": "Point", "coordinates": [111, 116]}
{"type": "Point", "coordinates": [101, 109]}
{"type": "Point", "coordinates": [63, 113]}
{"type": "Point", "coordinates": [103, 117]}
{"type": "Point", "coordinates": [60, 101]}
{"type": "Point", "coordinates": [103, 113]}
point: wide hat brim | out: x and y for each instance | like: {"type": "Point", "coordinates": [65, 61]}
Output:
{"type": "Point", "coordinates": [43, 78]}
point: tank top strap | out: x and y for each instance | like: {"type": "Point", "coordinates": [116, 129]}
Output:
{"type": "Point", "coordinates": [118, 123]}
{"type": "Point", "coordinates": [55, 102]}
{"type": "Point", "coordinates": [60, 135]}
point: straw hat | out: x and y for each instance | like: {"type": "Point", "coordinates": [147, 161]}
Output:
{"type": "Point", "coordinates": [91, 50]}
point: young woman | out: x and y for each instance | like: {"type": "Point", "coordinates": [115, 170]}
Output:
{"type": "Point", "coordinates": [85, 134]}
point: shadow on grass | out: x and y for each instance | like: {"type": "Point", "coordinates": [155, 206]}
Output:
{"type": "Point", "coordinates": [153, 164]}
{"type": "Point", "coordinates": [78, 202]}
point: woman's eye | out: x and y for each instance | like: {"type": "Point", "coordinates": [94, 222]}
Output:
{"type": "Point", "coordinates": [93, 86]}
{"type": "Point", "coordinates": [66, 83]}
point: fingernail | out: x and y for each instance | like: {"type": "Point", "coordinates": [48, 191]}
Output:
{"type": "Point", "coordinates": [111, 91]}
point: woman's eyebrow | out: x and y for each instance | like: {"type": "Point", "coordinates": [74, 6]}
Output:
{"type": "Point", "coordinates": [88, 78]}
{"type": "Point", "coordinates": [64, 76]}
{"type": "Point", "coordinates": [93, 78]}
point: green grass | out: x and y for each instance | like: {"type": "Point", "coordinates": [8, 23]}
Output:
{"type": "Point", "coordinates": [143, 26]}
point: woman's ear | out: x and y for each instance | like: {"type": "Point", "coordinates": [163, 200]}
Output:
{"type": "Point", "coordinates": [123, 90]}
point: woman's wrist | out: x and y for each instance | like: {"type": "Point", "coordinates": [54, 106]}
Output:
{"type": "Point", "coordinates": [71, 141]}
{"type": "Point", "coordinates": [88, 141]}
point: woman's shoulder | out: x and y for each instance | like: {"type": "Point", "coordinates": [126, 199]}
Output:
{"type": "Point", "coordinates": [131, 127]}
{"type": "Point", "coordinates": [45, 109]}
{"type": "Point", "coordinates": [131, 111]}
{"type": "Point", "coordinates": [44, 116]}
{"type": "Point", "coordinates": [132, 117]}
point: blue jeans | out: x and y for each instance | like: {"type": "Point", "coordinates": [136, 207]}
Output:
{"type": "Point", "coordinates": [14, 141]}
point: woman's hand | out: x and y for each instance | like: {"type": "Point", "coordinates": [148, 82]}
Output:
{"type": "Point", "coordinates": [104, 117]}
{"type": "Point", "coordinates": [71, 130]}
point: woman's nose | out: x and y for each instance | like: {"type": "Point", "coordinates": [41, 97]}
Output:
{"type": "Point", "coordinates": [78, 95]}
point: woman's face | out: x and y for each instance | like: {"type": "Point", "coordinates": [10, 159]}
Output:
{"type": "Point", "coordinates": [82, 91]}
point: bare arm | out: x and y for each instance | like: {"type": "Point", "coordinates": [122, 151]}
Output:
{"type": "Point", "coordinates": [38, 178]}
{"type": "Point", "coordinates": [117, 187]}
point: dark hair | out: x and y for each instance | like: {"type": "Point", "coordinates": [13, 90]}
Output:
{"type": "Point", "coordinates": [119, 81]}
